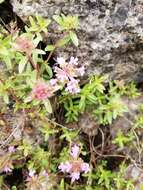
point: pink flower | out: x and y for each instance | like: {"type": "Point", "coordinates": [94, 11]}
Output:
{"type": "Point", "coordinates": [61, 61]}
{"type": "Point", "coordinates": [53, 82]}
{"type": "Point", "coordinates": [42, 91]}
{"type": "Point", "coordinates": [24, 44]}
{"type": "Point", "coordinates": [67, 73]}
{"type": "Point", "coordinates": [75, 151]}
{"type": "Point", "coordinates": [7, 169]}
{"type": "Point", "coordinates": [75, 165]}
{"type": "Point", "coordinates": [72, 86]}
{"type": "Point", "coordinates": [65, 167]}
{"type": "Point", "coordinates": [64, 71]}
{"type": "Point", "coordinates": [61, 75]}
{"type": "Point", "coordinates": [11, 149]}
{"type": "Point", "coordinates": [81, 71]}
{"type": "Point", "coordinates": [73, 61]}
{"type": "Point", "coordinates": [85, 167]}
{"type": "Point", "coordinates": [44, 173]}
{"type": "Point", "coordinates": [31, 173]}
{"type": "Point", "coordinates": [75, 176]}
{"type": "Point", "coordinates": [64, 74]}
{"type": "Point", "coordinates": [38, 181]}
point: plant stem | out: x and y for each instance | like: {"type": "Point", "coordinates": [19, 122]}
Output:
{"type": "Point", "coordinates": [32, 62]}
{"type": "Point", "coordinates": [34, 65]}
{"type": "Point", "coordinates": [49, 56]}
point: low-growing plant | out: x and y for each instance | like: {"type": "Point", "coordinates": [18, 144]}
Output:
{"type": "Point", "coordinates": [105, 107]}
{"type": "Point", "coordinates": [121, 140]}
{"type": "Point", "coordinates": [35, 87]}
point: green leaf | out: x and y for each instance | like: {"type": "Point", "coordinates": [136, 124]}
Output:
{"type": "Point", "coordinates": [35, 102]}
{"type": "Point", "coordinates": [48, 106]}
{"type": "Point", "coordinates": [7, 61]}
{"type": "Point", "coordinates": [67, 22]}
{"type": "Point", "coordinates": [58, 19]}
{"type": "Point", "coordinates": [64, 41]}
{"type": "Point", "coordinates": [82, 103]}
{"type": "Point", "coordinates": [6, 98]}
{"type": "Point", "coordinates": [92, 98]}
{"type": "Point", "coordinates": [49, 70]}
{"type": "Point", "coordinates": [74, 38]}
{"type": "Point", "coordinates": [109, 117]}
{"type": "Point", "coordinates": [43, 23]}
{"type": "Point", "coordinates": [62, 185]}
{"type": "Point", "coordinates": [22, 64]}
{"type": "Point", "coordinates": [3, 50]}
{"type": "Point", "coordinates": [32, 22]}
{"type": "Point", "coordinates": [37, 40]}
{"type": "Point", "coordinates": [34, 26]}
{"type": "Point", "coordinates": [39, 51]}
{"type": "Point", "coordinates": [49, 48]}
{"type": "Point", "coordinates": [45, 67]}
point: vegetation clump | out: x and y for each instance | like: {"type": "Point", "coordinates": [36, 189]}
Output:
{"type": "Point", "coordinates": [41, 96]}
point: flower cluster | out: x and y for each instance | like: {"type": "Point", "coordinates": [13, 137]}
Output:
{"type": "Point", "coordinates": [37, 181]}
{"type": "Point", "coordinates": [11, 149]}
{"type": "Point", "coordinates": [75, 165]}
{"type": "Point", "coordinates": [24, 44]}
{"type": "Point", "coordinates": [42, 90]}
{"type": "Point", "coordinates": [67, 73]}
{"type": "Point", "coordinates": [8, 166]}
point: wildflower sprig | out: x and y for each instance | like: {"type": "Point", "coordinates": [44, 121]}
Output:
{"type": "Point", "coordinates": [37, 181]}
{"type": "Point", "coordinates": [108, 106]}
{"type": "Point", "coordinates": [23, 57]}
{"type": "Point", "coordinates": [75, 165]}
{"type": "Point", "coordinates": [67, 73]}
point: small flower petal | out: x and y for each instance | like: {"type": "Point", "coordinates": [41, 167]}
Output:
{"type": "Point", "coordinates": [85, 167]}
{"type": "Point", "coordinates": [81, 71]}
{"type": "Point", "coordinates": [31, 173]}
{"type": "Point", "coordinates": [75, 176]}
{"type": "Point", "coordinates": [61, 61]}
{"type": "Point", "coordinates": [61, 75]}
{"type": "Point", "coordinates": [7, 169]}
{"type": "Point", "coordinates": [75, 151]}
{"type": "Point", "coordinates": [73, 61]}
{"type": "Point", "coordinates": [65, 167]}
{"type": "Point", "coordinates": [44, 173]}
{"type": "Point", "coordinates": [72, 86]}
{"type": "Point", "coordinates": [53, 82]}
{"type": "Point", "coordinates": [11, 149]}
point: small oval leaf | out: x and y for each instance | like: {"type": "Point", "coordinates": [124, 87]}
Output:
{"type": "Point", "coordinates": [74, 38]}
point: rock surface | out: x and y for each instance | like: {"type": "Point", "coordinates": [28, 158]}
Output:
{"type": "Point", "coordinates": [110, 33]}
